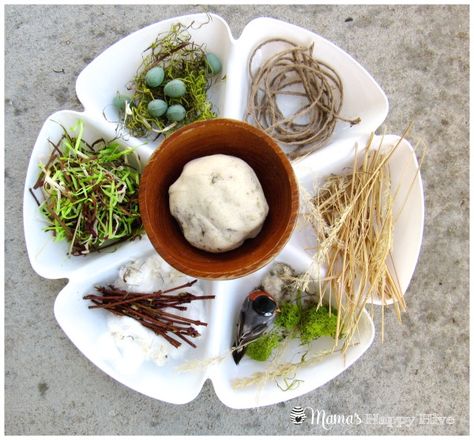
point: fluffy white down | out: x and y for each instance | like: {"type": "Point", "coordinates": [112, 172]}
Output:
{"type": "Point", "coordinates": [127, 344]}
{"type": "Point", "coordinates": [219, 202]}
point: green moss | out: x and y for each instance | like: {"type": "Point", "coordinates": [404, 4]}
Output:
{"type": "Point", "coordinates": [261, 348]}
{"type": "Point", "coordinates": [289, 316]}
{"type": "Point", "coordinates": [316, 323]}
{"type": "Point", "coordinates": [294, 321]}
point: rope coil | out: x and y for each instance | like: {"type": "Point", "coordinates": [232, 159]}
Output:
{"type": "Point", "coordinates": [294, 72]}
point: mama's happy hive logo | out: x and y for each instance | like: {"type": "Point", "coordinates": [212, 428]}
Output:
{"type": "Point", "coordinates": [297, 415]}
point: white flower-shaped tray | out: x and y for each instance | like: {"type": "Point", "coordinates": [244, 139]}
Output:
{"type": "Point", "coordinates": [96, 85]}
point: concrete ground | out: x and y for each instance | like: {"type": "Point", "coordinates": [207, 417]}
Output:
{"type": "Point", "coordinates": [420, 57]}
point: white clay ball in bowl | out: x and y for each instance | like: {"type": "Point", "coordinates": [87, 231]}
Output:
{"type": "Point", "coordinates": [218, 202]}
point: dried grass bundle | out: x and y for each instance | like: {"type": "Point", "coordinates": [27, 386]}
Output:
{"type": "Point", "coordinates": [352, 217]}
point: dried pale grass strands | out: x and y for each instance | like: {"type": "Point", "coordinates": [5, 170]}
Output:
{"type": "Point", "coordinates": [352, 217]}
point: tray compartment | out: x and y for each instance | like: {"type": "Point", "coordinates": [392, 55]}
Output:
{"type": "Point", "coordinates": [96, 90]}
{"type": "Point", "coordinates": [363, 97]}
{"type": "Point", "coordinates": [222, 375]}
{"type": "Point", "coordinates": [49, 257]}
{"type": "Point", "coordinates": [87, 329]}
{"type": "Point", "coordinates": [407, 189]}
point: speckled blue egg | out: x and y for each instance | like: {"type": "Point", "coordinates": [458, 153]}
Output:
{"type": "Point", "coordinates": [120, 100]}
{"type": "Point", "coordinates": [175, 88]}
{"type": "Point", "coordinates": [176, 113]}
{"type": "Point", "coordinates": [157, 108]}
{"type": "Point", "coordinates": [154, 77]}
{"type": "Point", "coordinates": [214, 63]}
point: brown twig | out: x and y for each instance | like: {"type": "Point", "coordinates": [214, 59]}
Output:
{"type": "Point", "coordinates": [148, 309]}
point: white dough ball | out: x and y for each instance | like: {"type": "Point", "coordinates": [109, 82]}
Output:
{"type": "Point", "coordinates": [219, 202]}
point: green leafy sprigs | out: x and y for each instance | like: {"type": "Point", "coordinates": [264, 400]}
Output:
{"type": "Point", "coordinates": [90, 193]}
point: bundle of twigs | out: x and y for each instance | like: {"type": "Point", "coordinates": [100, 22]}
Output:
{"type": "Point", "coordinates": [148, 309]}
{"type": "Point", "coordinates": [295, 72]}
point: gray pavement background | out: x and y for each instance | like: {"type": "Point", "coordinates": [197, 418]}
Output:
{"type": "Point", "coordinates": [420, 57]}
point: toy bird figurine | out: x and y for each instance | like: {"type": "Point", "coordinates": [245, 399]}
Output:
{"type": "Point", "coordinates": [256, 316]}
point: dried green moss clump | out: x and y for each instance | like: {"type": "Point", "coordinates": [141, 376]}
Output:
{"type": "Point", "coordinates": [261, 348]}
{"type": "Point", "coordinates": [316, 323]}
{"type": "Point", "coordinates": [172, 58]}
{"type": "Point", "coordinates": [294, 321]}
{"type": "Point", "coordinates": [289, 316]}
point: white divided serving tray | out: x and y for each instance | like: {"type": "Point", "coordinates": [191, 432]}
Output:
{"type": "Point", "coordinates": [96, 86]}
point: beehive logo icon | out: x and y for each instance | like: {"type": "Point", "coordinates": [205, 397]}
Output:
{"type": "Point", "coordinates": [297, 415]}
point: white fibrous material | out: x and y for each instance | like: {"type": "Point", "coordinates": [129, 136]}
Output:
{"type": "Point", "coordinates": [218, 202]}
{"type": "Point", "coordinates": [150, 275]}
{"type": "Point", "coordinates": [127, 343]}
{"type": "Point", "coordinates": [277, 280]}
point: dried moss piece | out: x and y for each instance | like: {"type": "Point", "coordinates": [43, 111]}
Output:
{"type": "Point", "coordinates": [261, 348]}
{"type": "Point", "coordinates": [317, 322]}
{"type": "Point", "coordinates": [289, 316]}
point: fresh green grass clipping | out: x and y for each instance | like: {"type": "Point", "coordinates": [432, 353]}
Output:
{"type": "Point", "coordinates": [90, 193]}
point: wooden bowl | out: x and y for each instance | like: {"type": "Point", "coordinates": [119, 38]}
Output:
{"type": "Point", "coordinates": [219, 136]}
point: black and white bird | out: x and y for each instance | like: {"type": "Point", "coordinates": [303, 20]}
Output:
{"type": "Point", "coordinates": [256, 316]}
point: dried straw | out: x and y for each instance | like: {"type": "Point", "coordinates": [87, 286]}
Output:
{"type": "Point", "coordinates": [352, 216]}
{"type": "Point", "coordinates": [284, 370]}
